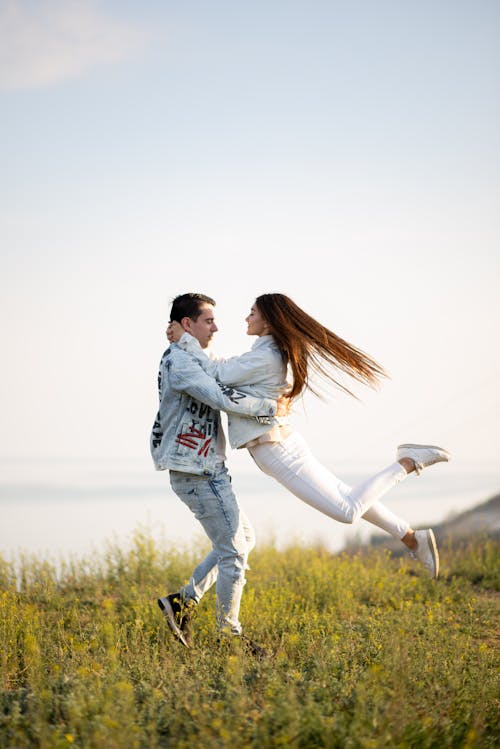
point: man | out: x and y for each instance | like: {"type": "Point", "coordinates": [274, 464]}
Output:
{"type": "Point", "coordinates": [187, 439]}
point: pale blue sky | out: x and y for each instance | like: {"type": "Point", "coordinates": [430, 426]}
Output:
{"type": "Point", "coordinates": [345, 153]}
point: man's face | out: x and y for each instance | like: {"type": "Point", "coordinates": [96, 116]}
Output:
{"type": "Point", "coordinates": [204, 327]}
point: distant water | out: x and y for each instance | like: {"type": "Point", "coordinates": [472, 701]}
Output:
{"type": "Point", "coordinates": [70, 508]}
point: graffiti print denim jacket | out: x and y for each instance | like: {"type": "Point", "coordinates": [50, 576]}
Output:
{"type": "Point", "coordinates": [184, 434]}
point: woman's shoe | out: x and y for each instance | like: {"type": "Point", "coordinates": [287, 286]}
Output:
{"type": "Point", "coordinates": [426, 552]}
{"type": "Point", "coordinates": [423, 455]}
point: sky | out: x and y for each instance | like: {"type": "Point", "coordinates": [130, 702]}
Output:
{"type": "Point", "coordinates": [344, 153]}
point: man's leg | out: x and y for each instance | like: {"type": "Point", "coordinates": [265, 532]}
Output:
{"type": "Point", "coordinates": [213, 503]}
{"type": "Point", "coordinates": [202, 579]}
{"type": "Point", "coordinates": [205, 574]}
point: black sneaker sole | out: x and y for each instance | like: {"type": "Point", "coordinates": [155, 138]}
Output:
{"type": "Point", "coordinates": [169, 615]}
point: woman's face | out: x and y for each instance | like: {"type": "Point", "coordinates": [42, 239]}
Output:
{"type": "Point", "coordinates": [256, 325]}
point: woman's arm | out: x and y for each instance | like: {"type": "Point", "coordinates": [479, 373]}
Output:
{"type": "Point", "coordinates": [246, 369]}
{"type": "Point", "coordinates": [190, 345]}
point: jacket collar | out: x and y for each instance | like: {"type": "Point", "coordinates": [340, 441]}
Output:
{"type": "Point", "coordinates": [263, 340]}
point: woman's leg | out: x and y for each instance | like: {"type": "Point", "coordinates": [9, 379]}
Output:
{"type": "Point", "coordinates": [381, 516]}
{"type": "Point", "coordinates": [292, 464]}
{"type": "Point", "coordinates": [388, 521]}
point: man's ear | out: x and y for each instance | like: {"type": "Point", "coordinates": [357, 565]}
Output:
{"type": "Point", "coordinates": [186, 323]}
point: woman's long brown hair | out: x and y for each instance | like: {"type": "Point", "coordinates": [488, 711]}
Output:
{"type": "Point", "coordinates": [307, 346]}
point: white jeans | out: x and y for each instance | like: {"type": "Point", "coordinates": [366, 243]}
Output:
{"type": "Point", "coordinates": [292, 464]}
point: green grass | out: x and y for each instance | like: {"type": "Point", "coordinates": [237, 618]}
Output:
{"type": "Point", "coordinates": [367, 652]}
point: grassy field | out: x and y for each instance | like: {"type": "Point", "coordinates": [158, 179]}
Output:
{"type": "Point", "coordinates": [366, 652]}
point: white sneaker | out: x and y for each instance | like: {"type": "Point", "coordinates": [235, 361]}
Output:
{"type": "Point", "coordinates": [426, 552]}
{"type": "Point", "coordinates": [423, 455]}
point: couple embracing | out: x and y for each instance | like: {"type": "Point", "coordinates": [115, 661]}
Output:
{"type": "Point", "coordinates": [256, 390]}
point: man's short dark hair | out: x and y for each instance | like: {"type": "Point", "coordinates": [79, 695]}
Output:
{"type": "Point", "coordinates": [188, 305]}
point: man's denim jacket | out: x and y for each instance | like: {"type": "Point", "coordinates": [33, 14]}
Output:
{"type": "Point", "coordinates": [184, 435]}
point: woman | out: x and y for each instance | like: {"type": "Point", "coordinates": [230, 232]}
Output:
{"type": "Point", "coordinates": [290, 339]}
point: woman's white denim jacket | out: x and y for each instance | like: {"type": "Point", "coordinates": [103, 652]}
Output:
{"type": "Point", "coordinates": [184, 435]}
{"type": "Point", "coordinates": [259, 372]}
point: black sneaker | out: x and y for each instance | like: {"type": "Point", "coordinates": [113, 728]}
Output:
{"type": "Point", "coordinates": [179, 615]}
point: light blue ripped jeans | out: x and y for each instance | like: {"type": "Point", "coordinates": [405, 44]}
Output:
{"type": "Point", "coordinates": [213, 503]}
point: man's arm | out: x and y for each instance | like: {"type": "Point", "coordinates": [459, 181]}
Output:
{"type": "Point", "coordinates": [186, 375]}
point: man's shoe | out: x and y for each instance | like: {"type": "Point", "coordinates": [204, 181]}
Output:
{"type": "Point", "coordinates": [426, 552]}
{"type": "Point", "coordinates": [423, 455]}
{"type": "Point", "coordinates": [179, 615]}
